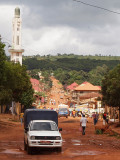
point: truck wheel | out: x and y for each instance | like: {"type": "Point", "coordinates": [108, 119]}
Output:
{"type": "Point", "coordinates": [29, 149]}
{"type": "Point", "coordinates": [59, 149]}
{"type": "Point", "coordinates": [25, 145]}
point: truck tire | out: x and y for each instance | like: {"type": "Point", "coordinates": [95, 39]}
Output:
{"type": "Point", "coordinates": [25, 145]}
{"type": "Point", "coordinates": [29, 149]}
{"type": "Point", "coordinates": [59, 149]}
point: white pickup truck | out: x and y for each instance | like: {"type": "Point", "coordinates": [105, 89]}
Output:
{"type": "Point", "coordinates": [41, 130]}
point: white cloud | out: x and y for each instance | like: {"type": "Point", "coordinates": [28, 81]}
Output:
{"type": "Point", "coordinates": [6, 15]}
{"type": "Point", "coordinates": [53, 40]}
{"type": "Point", "coordinates": [49, 39]}
{"type": "Point", "coordinates": [51, 27]}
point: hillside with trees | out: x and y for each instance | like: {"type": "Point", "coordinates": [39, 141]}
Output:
{"type": "Point", "coordinates": [72, 68]}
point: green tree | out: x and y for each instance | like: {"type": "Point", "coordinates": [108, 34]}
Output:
{"type": "Point", "coordinates": [111, 88]}
{"type": "Point", "coordinates": [2, 63]}
{"type": "Point", "coordinates": [5, 96]}
{"type": "Point", "coordinates": [19, 83]}
{"type": "Point", "coordinates": [27, 98]}
{"type": "Point", "coordinates": [96, 75]}
{"type": "Point", "coordinates": [5, 93]}
{"type": "Point", "coordinates": [34, 73]}
{"type": "Point", "coordinates": [14, 81]}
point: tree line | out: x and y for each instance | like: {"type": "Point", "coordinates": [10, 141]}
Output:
{"type": "Point", "coordinates": [74, 69]}
{"type": "Point", "coordinates": [14, 82]}
{"type": "Point", "coordinates": [68, 63]}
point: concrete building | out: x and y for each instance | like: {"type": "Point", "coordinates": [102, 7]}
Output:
{"type": "Point", "coordinates": [16, 49]}
{"type": "Point", "coordinates": [85, 91]}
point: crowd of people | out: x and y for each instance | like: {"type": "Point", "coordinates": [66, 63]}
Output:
{"type": "Point", "coordinates": [95, 116]}
{"type": "Point", "coordinates": [74, 113]}
{"type": "Point", "coordinates": [105, 116]}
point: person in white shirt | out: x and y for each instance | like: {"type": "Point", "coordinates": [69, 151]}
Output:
{"type": "Point", "coordinates": [83, 122]}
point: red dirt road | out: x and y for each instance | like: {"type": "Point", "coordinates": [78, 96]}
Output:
{"type": "Point", "coordinates": [75, 146]}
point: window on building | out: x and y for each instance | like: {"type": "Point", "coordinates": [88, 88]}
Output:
{"type": "Point", "coordinates": [17, 54]}
{"type": "Point", "coordinates": [81, 92]}
{"type": "Point", "coordinates": [17, 40]}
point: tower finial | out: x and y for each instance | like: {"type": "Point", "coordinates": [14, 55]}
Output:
{"type": "Point", "coordinates": [17, 12]}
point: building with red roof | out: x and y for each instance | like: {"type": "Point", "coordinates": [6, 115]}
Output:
{"type": "Point", "coordinates": [85, 91]}
{"type": "Point", "coordinates": [72, 86]}
{"type": "Point", "coordinates": [38, 87]}
{"type": "Point", "coordinates": [35, 85]}
{"type": "Point", "coordinates": [87, 87]}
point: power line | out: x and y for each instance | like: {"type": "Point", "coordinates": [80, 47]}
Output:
{"type": "Point", "coordinates": [91, 5]}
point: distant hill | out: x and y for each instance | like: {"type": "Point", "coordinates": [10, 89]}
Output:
{"type": "Point", "coordinates": [70, 62]}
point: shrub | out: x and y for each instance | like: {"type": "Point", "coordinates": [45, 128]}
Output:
{"type": "Point", "coordinates": [98, 131]}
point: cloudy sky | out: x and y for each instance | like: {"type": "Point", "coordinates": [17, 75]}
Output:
{"type": "Point", "coordinates": [64, 26]}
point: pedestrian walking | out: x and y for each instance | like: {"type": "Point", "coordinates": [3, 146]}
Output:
{"type": "Point", "coordinates": [70, 112]}
{"type": "Point", "coordinates": [83, 122]}
{"type": "Point", "coordinates": [97, 117]}
{"type": "Point", "coordinates": [104, 118]}
{"type": "Point", "coordinates": [107, 118]}
{"type": "Point", "coordinates": [116, 115]}
{"type": "Point", "coordinates": [94, 118]}
{"type": "Point", "coordinates": [73, 113]}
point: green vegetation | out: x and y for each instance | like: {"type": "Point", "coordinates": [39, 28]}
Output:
{"type": "Point", "coordinates": [111, 88]}
{"type": "Point", "coordinates": [72, 68]}
{"type": "Point", "coordinates": [14, 82]}
{"type": "Point", "coordinates": [99, 131]}
{"type": "Point", "coordinates": [60, 56]}
{"type": "Point", "coordinates": [68, 64]}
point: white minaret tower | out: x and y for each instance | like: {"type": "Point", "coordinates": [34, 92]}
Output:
{"type": "Point", "coordinates": [16, 50]}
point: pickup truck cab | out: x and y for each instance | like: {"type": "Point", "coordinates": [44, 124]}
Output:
{"type": "Point", "coordinates": [42, 133]}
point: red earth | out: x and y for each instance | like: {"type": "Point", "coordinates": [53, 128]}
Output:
{"type": "Point", "coordinates": [75, 145]}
